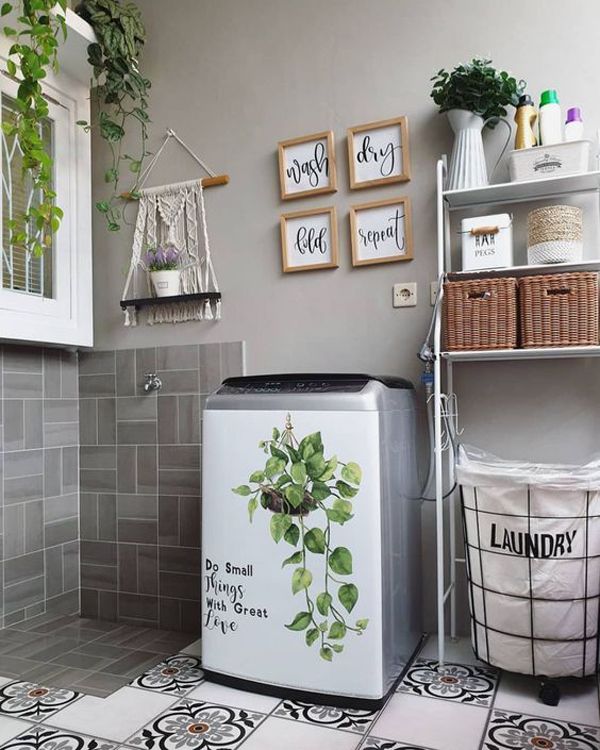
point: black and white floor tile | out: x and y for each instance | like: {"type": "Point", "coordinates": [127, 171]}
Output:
{"type": "Point", "coordinates": [197, 726]}
{"type": "Point", "coordinates": [176, 674]}
{"type": "Point", "coordinates": [508, 731]}
{"type": "Point", "coordinates": [353, 720]}
{"type": "Point", "coordinates": [462, 683]}
{"type": "Point", "coordinates": [47, 738]}
{"type": "Point", "coordinates": [26, 700]}
{"type": "Point", "coordinates": [374, 743]}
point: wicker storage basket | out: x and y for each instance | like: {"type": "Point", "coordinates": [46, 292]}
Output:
{"type": "Point", "coordinates": [554, 235]}
{"type": "Point", "coordinates": [480, 314]}
{"type": "Point", "coordinates": [559, 310]}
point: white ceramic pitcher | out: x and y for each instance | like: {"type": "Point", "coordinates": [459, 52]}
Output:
{"type": "Point", "coordinates": [467, 163]}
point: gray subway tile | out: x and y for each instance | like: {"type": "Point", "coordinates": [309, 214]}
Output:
{"type": "Point", "coordinates": [59, 532]}
{"type": "Point", "coordinates": [136, 433]}
{"type": "Point", "coordinates": [138, 531]}
{"type": "Point", "coordinates": [137, 506]}
{"type": "Point", "coordinates": [34, 526]}
{"type": "Point", "coordinates": [71, 565]}
{"type": "Point", "coordinates": [61, 410]}
{"type": "Point", "coordinates": [147, 471]}
{"type": "Point", "coordinates": [52, 472]}
{"type": "Point", "coordinates": [99, 577]}
{"type": "Point", "coordinates": [169, 614]}
{"type": "Point", "coordinates": [33, 424]}
{"type": "Point", "coordinates": [168, 520]}
{"type": "Point", "coordinates": [189, 419]}
{"type": "Point", "coordinates": [61, 507]}
{"type": "Point", "coordinates": [177, 357]}
{"type": "Point", "coordinates": [69, 374]}
{"type": "Point", "coordinates": [125, 362]}
{"type": "Point", "coordinates": [98, 457]}
{"type": "Point", "coordinates": [22, 359]}
{"type": "Point", "coordinates": [180, 585]}
{"type": "Point", "coordinates": [107, 605]}
{"type": "Point", "coordinates": [179, 482]}
{"type": "Point", "coordinates": [98, 480]}
{"type": "Point", "coordinates": [98, 553]}
{"type": "Point", "coordinates": [89, 602]}
{"type": "Point", "coordinates": [96, 386]}
{"type": "Point", "coordinates": [54, 571]}
{"type": "Point", "coordinates": [128, 570]}
{"type": "Point", "coordinates": [67, 603]}
{"type": "Point", "coordinates": [190, 513]}
{"type": "Point", "coordinates": [23, 488]}
{"type": "Point", "coordinates": [14, 530]}
{"type": "Point", "coordinates": [167, 420]}
{"type": "Point", "coordinates": [88, 421]}
{"type": "Point", "coordinates": [190, 617]}
{"type": "Point", "coordinates": [107, 517]}
{"type": "Point", "coordinates": [14, 431]}
{"type": "Point", "coordinates": [210, 367]}
{"type": "Point", "coordinates": [106, 421]}
{"type": "Point", "coordinates": [22, 385]}
{"type": "Point", "coordinates": [22, 568]}
{"type": "Point", "coordinates": [21, 595]}
{"type": "Point", "coordinates": [136, 408]}
{"type": "Point", "coordinates": [52, 388]}
{"type": "Point", "coordinates": [88, 504]}
{"type": "Point", "coordinates": [61, 434]}
{"type": "Point", "coordinates": [179, 381]}
{"type": "Point", "coordinates": [137, 606]}
{"type": "Point", "coordinates": [147, 565]}
{"type": "Point", "coordinates": [23, 463]}
{"type": "Point", "coordinates": [70, 469]}
{"type": "Point", "coordinates": [179, 560]}
{"type": "Point", "coordinates": [96, 363]}
{"type": "Point", "coordinates": [145, 361]}
{"type": "Point", "coordinates": [179, 457]}
{"type": "Point", "coordinates": [126, 468]}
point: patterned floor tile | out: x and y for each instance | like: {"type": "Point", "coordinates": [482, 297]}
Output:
{"type": "Point", "coordinates": [515, 731]}
{"type": "Point", "coordinates": [176, 674]}
{"type": "Point", "coordinates": [197, 726]}
{"type": "Point", "coordinates": [26, 700]}
{"type": "Point", "coordinates": [461, 683]}
{"type": "Point", "coordinates": [351, 719]}
{"type": "Point", "coordinates": [46, 738]}
{"type": "Point", "coordinates": [375, 743]}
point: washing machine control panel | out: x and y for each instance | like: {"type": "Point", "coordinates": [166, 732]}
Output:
{"type": "Point", "coordinates": [249, 385]}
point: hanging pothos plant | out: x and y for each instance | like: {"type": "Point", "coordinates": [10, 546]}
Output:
{"type": "Point", "coordinates": [308, 495]}
{"type": "Point", "coordinates": [121, 92]}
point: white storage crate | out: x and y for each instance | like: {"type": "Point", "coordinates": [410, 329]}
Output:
{"type": "Point", "coordinates": [487, 242]}
{"type": "Point", "coordinates": [532, 537]}
{"type": "Point", "coordinates": [549, 161]}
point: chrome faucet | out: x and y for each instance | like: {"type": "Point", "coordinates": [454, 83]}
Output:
{"type": "Point", "coordinates": [152, 382]}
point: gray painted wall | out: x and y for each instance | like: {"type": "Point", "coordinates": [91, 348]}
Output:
{"type": "Point", "coordinates": [234, 77]}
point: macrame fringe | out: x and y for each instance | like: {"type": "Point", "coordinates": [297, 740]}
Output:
{"type": "Point", "coordinates": [182, 312]}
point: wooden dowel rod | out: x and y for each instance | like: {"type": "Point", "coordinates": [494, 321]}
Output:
{"type": "Point", "coordinates": [220, 179]}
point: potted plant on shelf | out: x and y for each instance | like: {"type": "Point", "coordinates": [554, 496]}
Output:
{"type": "Point", "coordinates": [162, 263]}
{"type": "Point", "coordinates": [474, 95]}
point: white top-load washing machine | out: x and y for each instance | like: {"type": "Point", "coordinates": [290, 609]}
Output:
{"type": "Point", "coordinates": [311, 536]}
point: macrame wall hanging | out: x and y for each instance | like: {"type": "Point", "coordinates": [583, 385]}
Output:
{"type": "Point", "coordinates": [173, 215]}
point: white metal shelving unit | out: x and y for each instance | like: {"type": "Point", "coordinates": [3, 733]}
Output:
{"type": "Point", "coordinates": [457, 200]}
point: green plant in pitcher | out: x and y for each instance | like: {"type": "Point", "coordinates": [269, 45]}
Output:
{"type": "Point", "coordinates": [477, 87]}
{"type": "Point", "coordinates": [309, 494]}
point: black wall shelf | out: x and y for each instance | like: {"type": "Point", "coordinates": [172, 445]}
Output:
{"type": "Point", "coordinates": [149, 301]}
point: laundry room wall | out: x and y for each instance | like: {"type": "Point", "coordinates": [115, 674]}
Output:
{"type": "Point", "coordinates": [233, 78]}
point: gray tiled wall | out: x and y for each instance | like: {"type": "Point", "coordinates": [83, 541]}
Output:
{"type": "Point", "coordinates": [39, 483]}
{"type": "Point", "coordinates": [140, 480]}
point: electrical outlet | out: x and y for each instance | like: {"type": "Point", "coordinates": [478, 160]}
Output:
{"type": "Point", "coordinates": [434, 292]}
{"type": "Point", "coordinates": [405, 294]}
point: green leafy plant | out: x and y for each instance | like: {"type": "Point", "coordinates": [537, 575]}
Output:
{"type": "Point", "coordinates": [121, 90]}
{"type": "Point", "coordinates": [33, 52]}
{"type": "Point", "coordinates": [308, 495]}
{"type": "Point", "coordinates": [477, 87]}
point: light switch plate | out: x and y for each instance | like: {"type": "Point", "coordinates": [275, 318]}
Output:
{"type": "Point", "coordinates": [405, 294]}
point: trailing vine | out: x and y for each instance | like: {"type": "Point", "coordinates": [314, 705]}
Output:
{"type": "Point", "coordinates": [33, 52]}
{"type": "Point", "coordinates": [298, 482]}
{"type": "Point", "coordinates": [121, 90]}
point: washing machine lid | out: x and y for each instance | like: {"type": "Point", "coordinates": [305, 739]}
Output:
{"type": "Point", "coordinates": [299, 383]}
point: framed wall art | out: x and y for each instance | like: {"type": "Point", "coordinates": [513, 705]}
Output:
{"type": "Point", "coordinates": [381, 232]}
{"type": "Point", "coordinates": [378, 153]}
{"type": "Point", "coordinates": [307, 166]}
{"type": "Point", "coordinates": [309, 240]}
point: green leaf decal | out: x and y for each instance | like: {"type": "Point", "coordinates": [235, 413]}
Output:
{"type": "Point", "coordinates": [345, 489]}
{"type": "Point", "coordinates": [330, 468]}
{"type": "Point", "coordinates": [311, 636]}
{"type": "Point", "coordinates": [352, 473]}
{"type": "Point", "coordinates": [279, 454]}
{"type": "Point", "coordinates": [362, 624]}
{"type": "Point", "coordinates": [337, 631]}
{"type": "Point", "coordinates": [252, 506]}
{"type": "Point", "coordinates": [294, 495]}
{"type": "Point", "coordinates": [323, 603]}
{"type": "Point", "coordinates": [298, 472]}
{"type": "Point", "coordinates": [348, 596]}
{"type": "Point", "coordinates": [274, 466]}
{"type": "Point", "coordinates": [320, 491]}
{"type": "Point", "coordinates": [301, 579]}
{"type": "Point", "coordinates": [337, 647]}
{"type": "Point", "coordinates": [314, 541]}
{"type": "Point", "coordinates": [342, 506]}
{"type": "Point", "coordinates": [338, 516]}
{"type": "Point", "coordinates": [276, 433]}
{"type": "Point", "coordinates": [292, 534]}
{"type": "Point", "coordinates": [300, 622]}
{"type": "Point", "coordinates": [256, 477]}
{"type": "Point", "coordinates": [340, 561]}
{"type": "Point", "coordinates": [279, 525]}
{"type": "Point", "coordinates": [315, 465]}
{"type": "Point", "coordinates": [292, 559]}
{"type": "Point", "coordinates": [326, 653]}
{"type": "Point", "coordinates": [323, 627]}
{"type": "Point", "coordinates": [243, 490]}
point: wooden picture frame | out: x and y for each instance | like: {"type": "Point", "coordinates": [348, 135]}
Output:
{"type": "Point", "coordinates": [379, 153]}
{"type": "Point", "coordinates": [302, 233]}
{"type": "Point", "coordinates": [307, 166]}
{"type": "Point", "coordinates": [380, 234]}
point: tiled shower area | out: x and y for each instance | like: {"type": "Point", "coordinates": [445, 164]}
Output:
{"type": "Point", "coordinates": [100, 492]}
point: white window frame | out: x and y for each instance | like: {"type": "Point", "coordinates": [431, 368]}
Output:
{"type": "Point", "coordinates": [66, 319]}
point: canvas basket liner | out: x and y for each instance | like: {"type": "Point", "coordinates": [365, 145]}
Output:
{"type": "Point", "coordinates": [532, 548]}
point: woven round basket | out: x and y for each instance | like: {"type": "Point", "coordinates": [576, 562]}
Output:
{"type": "Point", "coordinates": [555, 235]}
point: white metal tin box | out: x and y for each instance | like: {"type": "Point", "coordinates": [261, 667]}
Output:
{"type": "Point", "coordinates": [555, 160]}
{"type": "Point", "coordinates": [487, 242]}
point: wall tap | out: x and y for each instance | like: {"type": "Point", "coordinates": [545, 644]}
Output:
{"type": "Point", "coordinates": [152, 382]}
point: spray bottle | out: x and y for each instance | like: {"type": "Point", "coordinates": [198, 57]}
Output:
{"type": "Point", "coordinates": [525, 117]}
